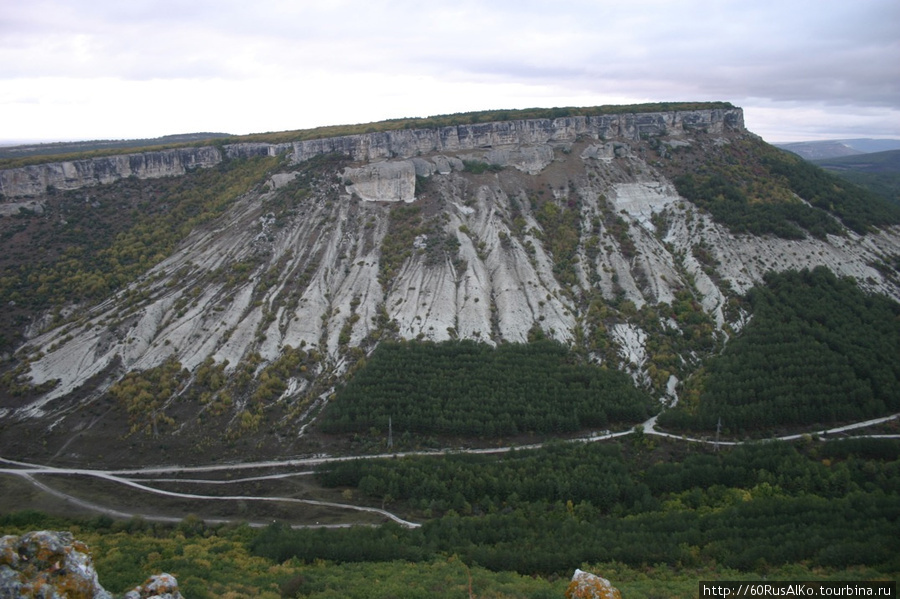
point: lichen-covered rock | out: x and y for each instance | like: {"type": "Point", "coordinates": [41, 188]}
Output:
{"type": "Point", "coordinates": [585, 585]}
{"type": "Point", "coordinates": [159, 586]}
{"type": "Point", "coordinates": [48, 565]}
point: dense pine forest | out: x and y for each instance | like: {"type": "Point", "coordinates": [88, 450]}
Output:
{"type": "Point", "coordinates": [817, 352]}
{"type": "Point", "coordinates": [653, 515]}
{"type": "Point", "coordinates": [537, 512]}
{"type": "Point", "coordinates": [467, 389]}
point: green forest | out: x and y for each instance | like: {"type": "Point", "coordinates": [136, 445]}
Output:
{"type": "Point", "coordinates": [752, 187]}
{"type": "Point", "coordinates": [468, 389]}
{"type": "Point", "coordinates": [818, 351]}
{"type": "Point", "coordinates": [654, 516]}
{"type": "Point", "coordinates": [639, 503]}
{"type": "Point", "coordinates": [879, 172]}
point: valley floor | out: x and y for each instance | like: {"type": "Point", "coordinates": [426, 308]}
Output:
{"type": "Point", "coordinates": [260, 492]}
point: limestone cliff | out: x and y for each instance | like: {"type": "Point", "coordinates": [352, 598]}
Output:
{"type": "Point", "coordinates": [369, 147]}
{"type": "Point", "coordinates": [35, 180]}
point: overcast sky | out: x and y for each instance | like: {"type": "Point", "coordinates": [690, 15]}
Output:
{"type": "Point", "coordinates": [112, 69]}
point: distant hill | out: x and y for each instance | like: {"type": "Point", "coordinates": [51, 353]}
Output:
{"type": "Point", "coordinates": [877, 171]}
{"type": "Point", "coordinates": [875, 162]}
{"type": "Point", "coordinates": [835, 148]}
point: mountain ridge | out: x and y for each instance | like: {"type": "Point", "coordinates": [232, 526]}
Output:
{"type": "Point", "coordinates": [572, 228]}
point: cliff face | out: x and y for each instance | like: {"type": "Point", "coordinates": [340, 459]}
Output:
{"type": "Point", "coordinates": [410, 143]}
{"type": "Point", "coordinates": [34, 180]}
{"type": "Point", "coordinates": [567, 227]}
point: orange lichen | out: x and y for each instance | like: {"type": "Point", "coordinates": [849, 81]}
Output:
{"type": "Point", "coordinates": [589, 586]}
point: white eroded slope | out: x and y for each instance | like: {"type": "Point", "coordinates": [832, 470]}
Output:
{"type": "Point", "coordinates": [264, 277]}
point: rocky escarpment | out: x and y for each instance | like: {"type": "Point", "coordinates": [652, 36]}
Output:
{"type": "Point", "coordinates": [407, 143]}
{"type": "Point", "coordinates": [35, 180]}
{"type": "Point", "coordinates": [53, 565]}
{"type": "Point", "coordinates": [568, 228]}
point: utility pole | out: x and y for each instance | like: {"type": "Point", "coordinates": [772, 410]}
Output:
{"type": "Point", "coordinates": [390, 432]}
{"type": "Point", "coordinates": [718, 429]}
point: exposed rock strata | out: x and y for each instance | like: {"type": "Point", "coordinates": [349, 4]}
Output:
{"type": "Point", "coordinates": [406, 143]}
{"type": "Point", "coordinates": [370, 147]}
{"type": "Point", "coordinates": [35, 180]}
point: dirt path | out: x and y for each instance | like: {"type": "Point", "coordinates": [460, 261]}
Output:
{"type": "Point", "coordinates": [29, 472]}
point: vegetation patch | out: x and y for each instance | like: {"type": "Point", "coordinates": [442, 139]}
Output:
{"type": "Point", "coordinates": [145, 395]}
{"type": "Point", "coordinates": [411, 232]}
{"type": "Point", "coordinates": [561, 230]}
{"type": "Point", "coordinates": [477, 167]}
{"type": "Point", "coordinates": [878, 172]}
{"type": "Point", "coordinates": [652, 516]}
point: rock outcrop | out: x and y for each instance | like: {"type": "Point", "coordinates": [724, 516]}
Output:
{"type": "Point", "coordinates": [158, 586]}
{"type": "Point", "coordinates": [585, 585]}
{"type": "Point", "coordinates": [393, 181]}
{"type": "Point", "coordinates": [53, 565]}
{"type": "Point", "coordinates": [46, 564]}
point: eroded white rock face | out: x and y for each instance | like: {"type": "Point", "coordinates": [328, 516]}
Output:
{"type": "Point", "coordinates": [313, 277]}
{"type": "Point", "coordinates": [640, 201]}
{"type": "Point", "coordinates": [393, 181]}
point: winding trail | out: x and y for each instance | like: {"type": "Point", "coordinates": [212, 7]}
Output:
{"type": "Point", "coordinates": [29, 472]}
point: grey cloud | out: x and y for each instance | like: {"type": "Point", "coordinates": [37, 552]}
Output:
{"type": "Point", "coordinates": [816, 51]}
